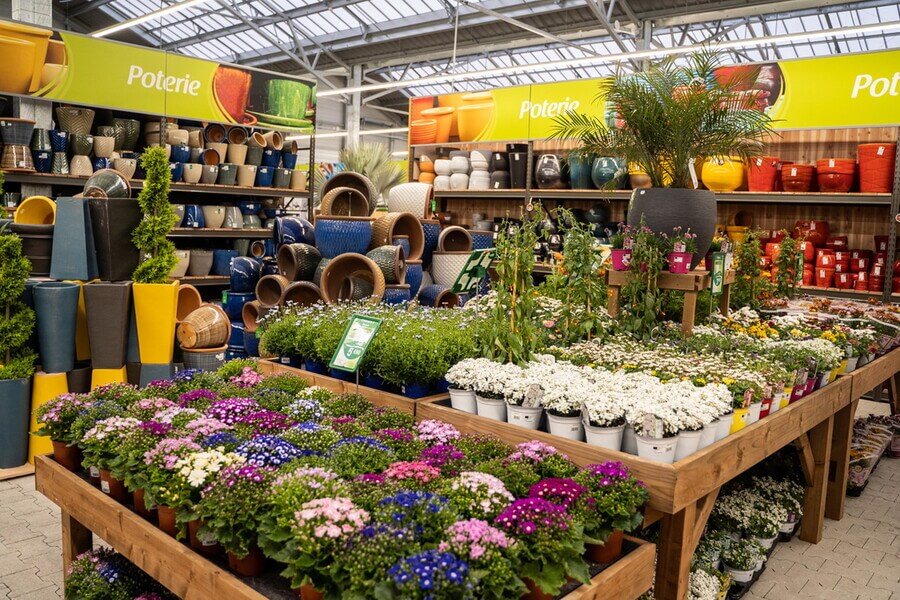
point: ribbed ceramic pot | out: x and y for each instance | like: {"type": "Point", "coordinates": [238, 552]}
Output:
{"type": "Point", "coordinates": [414, 276]}
{"type": "Point", "coordinates": [344, 201]}
{"type": "Point", "coordinates": [250, 314]}
{"type": "Point", "coordinates": [388, 225]}
{"type": "Point", "coordinates": [43, 161]}
{"type": "Point", "coordinates": [604, 170]}
{"type": "Point", "coordinates": [131, 131]}
{"type": "Point", "coordinates": [337, 282]}
{"type": "Point", "coordinates": [269, 289]}
{"type": "Point", "coordinates": [59, 165]}
{"type": "Point", "coordinates": [56, 305]}
{"type": "Point", "coordinates": [337, 235]}
{"type": "Point", "coordinates": [82, 143]}
{"type": "Point", "coordinates": [432, 231]}
{"type": "Point", "coordinates": [293, 230]}
{"type": "Point", "coordinates": [16, 158]}
{"type": "Point", "coordinates": [353, 180]}
{"type": "Point", "coordinates": [317, 276]}
{"type": "Point", "coordinates": [16, 132]}
{"type": "Point", "coordinates": [454, 239]}
{"type": "Point", "coordinates": [244, 273]}
{"type": "Point", "coordinates": [446, 267]}
{"type": "Point", "coordinates": [201, 263]}
{"type": "Point", "coordinates": [234, 304]}
{"type": "Point", "coordinates": [75, 119]}
{"type": "Point", "coordinates": [412, 198]}
{"type": "Point", "coordinates": [40, 140]}
{"type": "Point", "coordinates": [108, 308]}
{"type": "Point", "coordinates": [437, 296]}
{"type": "Point", "coordinates": [298, 262]}
{"type": "Point", "coordinates": [391, 262]}
{"type": "Point", "coordinates": [206, 327]}
{"type": "Point", "coordinates": [301, 293]}
{"type": "Point", "coordinates": [396, 294]}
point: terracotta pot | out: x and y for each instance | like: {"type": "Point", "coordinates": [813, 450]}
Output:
{"type": "Point", "coordinates": [762, 172]}
{"type": "Point", "coordinates": [207, 546]}
{"type": "Point", "coordinates": [608, 552]}
{"type": "Point", "coordinates": [876, 167]}
{"type": "Point", "coordinates": [308, 592]}
{"type": "Point", "coordinates": [797, 178]}
{"type": "Point", "coordinates": [835, 183]}
{"type": "Point", "coordinates": [270, 288]}
{"type": "Point", "coordinates": [345, 201]}
{"type": "Point", "coordinates": [206, 327]}
{"type": "Point", "coordinates": [337, 278]}
{"type": "Point", "coordinates": [189, 300]}
{"type": "Point", "coordinates": [353, 180]}
{"type": "Point", "coordinates": [301, 293]}
{"type": "Point", "coordinates": [396, 224]}
{"type": "Point", "coordinates": [252, 565]}
{"type": "Point", "coordinates": [68, 456]}
{"type": "Point", "coordinates": [534, 592]}
{"type": "Point", "coordinates": [140, 505]}
{"type": "Point", "coordinates": [114, 487]}
{"type": "Point", "coordinates": [250, 316]}
{"type": "Point", "coordinates": [167, 520]}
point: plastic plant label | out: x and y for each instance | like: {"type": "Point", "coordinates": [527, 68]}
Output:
{"type": "Point", "coordinates": [793, 171]}
{"type": "Point", "coordinates": [284, 360]}
{"type": "Point", "coordinates": [717, 285]}
{"type": "Point", "coordinates": [95, 472]}
{"type": "Point", "coordinates": [104, 487]}
{"type": "Point", "coordinates": [759, 162]}
{"type": "Point", "coordinates": [473, 272]}
{"type": "Point", "coordinates": [693, 171]}
{"type": "Point", "coordinates": [224, 297]}
{"type": "Point", "coordinates": [653, 427]}
{"type": "Point", "coordinates": [679, 247]}
{"type": "Point", "coordinates": [830, 162]}
{"type": "Point", "coordinates": [880, 151]}
{"type": "Point", "coordinates": [354, 343]}
{"type": "Point", "coordinates": [207, 539]}
{"type": "Point", "coordinates": [533, 395]}
{"type": "Point", "coordinates": [224, 168]}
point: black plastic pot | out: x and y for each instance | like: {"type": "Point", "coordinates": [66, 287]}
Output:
{"type": "Point", "coordinates": [15, 402]}
{"type": "Point", "coordinates": [518, 170]}
{"type": "Point", "coordinates": [108, 307]}
{"type": "Point", "coordinates": [113, 220]}
{"type": "Point", "coordinates": [664, 209]}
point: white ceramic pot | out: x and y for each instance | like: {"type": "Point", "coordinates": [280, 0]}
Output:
{"type": "Point", "coordinates": [442, 167]}
{"type": "Point", "coordinates": [605, 437]}
{"type": "Point", "coordinates": [788, 527]}
{"type": "Point", "coordinates": [442, 182]}
{"type": "Point", "coordinates": [688, 443]}
{"type": "Point", "coordinates": [463, 400]}
{"type": "Point", "coordinates": [740, 576]}
{"type": "Point", "coordinates": [446, 266]}
{"type": "Point", "coordinates": [479, 180]}
{"type": "Point", "coordinates": [410, 197]}
{"type": "Point", "coordinates": [708, 436]}
{"type": "Point", "coordinates": [766, 542]}
{"type": "Point", "coordinates": [459, 165]}
{"type": "Point", "coordinates": [459, 181]}
{"type": "Point", "coordinates": [181, 267]}
{"type": "Point", "coordinates": [629, 440]}
{"type": "Point", "coordinates": [567, 427]}
{"type": "Point", "coordinates": [490, 408]}
{"type": "Point", "coordinates": [851, 364]}
{"type": "Point", "coordinates": [524, 416]}
{"type": "Point", "coordinates": [658, 450]}
{"type": "Point", "coordinates": [724, 427]}
{"type": "Point", "coordinates": [753, 413]}
{"type": "Point", "coordinates": [479, 156]}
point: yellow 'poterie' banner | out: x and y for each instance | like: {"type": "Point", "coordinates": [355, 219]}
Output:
{"type": "Point", "coordinates": [68, 67]}
{"type": "Point", "coordinates": [858, 90]}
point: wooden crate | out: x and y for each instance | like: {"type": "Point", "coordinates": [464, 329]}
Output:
{"type": "Point", "coordinates": [339, 386]}
{"type": "Point", "coordinates": [86, 510]}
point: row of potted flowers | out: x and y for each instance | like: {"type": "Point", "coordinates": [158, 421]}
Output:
{"type": "Point", "coordinates": [345, 497]}
{"type": "Point", "coordinates": [104, 573]}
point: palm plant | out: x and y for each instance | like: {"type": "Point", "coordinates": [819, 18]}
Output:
{"type": "Point", "coordinates": [672, 115]}
{"type": "Point", "coordinates": [372, 160]}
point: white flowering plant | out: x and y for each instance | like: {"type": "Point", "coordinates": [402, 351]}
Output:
{"type": "Point", "coordinates": [192, 473]}
{"type": "Point", "coordinates": [703, 585]}
{"type": "Point", "coordinates": [744, 555]}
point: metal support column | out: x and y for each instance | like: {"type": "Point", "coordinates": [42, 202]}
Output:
{"type": "Point", "coordinates": [353, 110]}
{"type": "Point", "coordinates": [892, 231]}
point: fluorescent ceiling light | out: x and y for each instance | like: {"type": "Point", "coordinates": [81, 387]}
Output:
{"type": "Point", "coordinates": [172, 8]}
{"type": "Point", "coordinates": [340, 134]}
{"type": "Point", "coordinates": [806, 36]}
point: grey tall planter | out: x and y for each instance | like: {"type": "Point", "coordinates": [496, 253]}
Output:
{"type": "Point", "coordinates": [664, 209]}
{"type": "Point", "coordinates": [113, 220]}
{"type": "Point", "coordinates": [73, 255]}
{"type": "Point", "coordinates": [15, 402]}
{"type": "Point", "coordinates": [108, 307]}
{"type": "Point", "coordinates": [56, 304]}
{"type": "Point", "coordinates": [152, 372]}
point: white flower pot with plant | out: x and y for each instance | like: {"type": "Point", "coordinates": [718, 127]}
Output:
{"type": "Point", "coordinates": [605, 437]}
{"type": "Point", "coordinates": [528, 417]}
{"type": "Point", "coordinates": [629, 440]}
{"type": "Point", "coordinates": [753, 413]}
{"type": "Point", "coordinates": [688, 443]}
{"type": "Point", "coordinates": [724, 427]}
{"type": "Point", "coordinates": [491, 408]}
{"type": "Point", "coordinates": [708, 435]}
{"type": "Point", "coordinates": [742, 560]}
{"type": "Point", "coordinates": [567, 426]}
{"type": "Point", "coordinates": [463, 400]}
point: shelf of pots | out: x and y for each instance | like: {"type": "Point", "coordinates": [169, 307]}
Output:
{"type": "Point", "coordinates": [254, 459]}
{"type": "Point", "coordinates": [189, 232]}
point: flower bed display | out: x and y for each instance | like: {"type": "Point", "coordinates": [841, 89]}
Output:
{"type": "Point", "coordinates": [345, 495]}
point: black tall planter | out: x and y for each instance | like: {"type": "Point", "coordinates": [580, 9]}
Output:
{"type": "Point", "coordinates": [113, 220]}
{"type": "Point", "coordinates": [15, 402]}
{"type": "Point", "coordinates": [108, 307]}
{"type": "Point", "coordinates": [37, 245]}
{"type": "Point", "coordinates": [666, 208]}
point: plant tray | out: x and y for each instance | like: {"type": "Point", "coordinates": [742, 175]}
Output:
{"type": "Point", "coordinates": [190, 575]}
{"type": "Point", "coordinates": [738, 590]}
{"type": "Point", "coordinates": [339, 386]}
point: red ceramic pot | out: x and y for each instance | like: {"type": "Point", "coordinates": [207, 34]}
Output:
{"type": "Point", "coordinates": [897, 267]}
{"type": "Point", "coordinates": [844, 281]}
{"type": "Point", "coordinates": [876, 167]}
{"type": "Point", "coordinates": [824, 277]}
{"type": "Point", "coordinates": [895, 285]}
{"type": "Point", "coordinates": [807, 276]}
{"type": "Point", "coordinates": [843, 166]}
{"type": "Point", "coordinates": [841, 256]}
{"type": "Point", "coordinates": [765, 262]}
{"type": "Point", "coordinates": [860, 254]}
{"type": "Point", "coordinates": [859, 265]}
{"type": "Point", "coordinates": [779, 184]}
{"type": "Point", "coordinates": [880, 258]}
{"type": "Point", "coordinates": [878, 271]}
{"type": "Point", "coordinates": [835, 183]}
{"type": "Point", "coordinates": [797, 178]}
{"type": "Point", "coordinates": [761, 173]}
{"type": "Point", "coordinates": [772, 250]}
{"type": "Point", "coordinates": [876, 285]}
{"type": "Point", "coordinates": [842, 267]}
{"type": "Point", "coordinates": [809, 251]}
{"type": "Point", "coordinates": [881, 243]}
{"type": "Point", "coordinates": [825, 261]}
{"type": "Point", "coordinates": [862, 278]}
{"type": "Point", "coordinates": [776, 236]}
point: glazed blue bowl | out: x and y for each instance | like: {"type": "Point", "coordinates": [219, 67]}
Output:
{"type": "Point", "coordinates": [293, 230]}
{"type": "Point", "coordinates": [339, 235]}
{"type": "Point", "coordinates": [264, 176]}
{"type": "Point", "coordinates": [244, 272]}
{"type": "Point", "coordinates": [177, 170]}
{"type": "Point", "coordinates": [414, 277]}
{"type": "Point", "coordinates": [249, 207]}
{"type": "Point", "coordinates": [271, 157]}
{"type": "Point", "coordinates": [222, 262]}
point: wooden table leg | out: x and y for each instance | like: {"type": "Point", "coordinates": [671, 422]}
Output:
{"type": "Point", "coordinates": [76, 539]}
{"type": "Point", "coordinates": [895, 394]}
{"type": "Point", "coordinates": [817, 482]}
{"type": "Point", "coordinates": [725, 300]}
{"type": "Point", "coordinates": [689, 312]}
{"type": "Point", "coordinates": [840, 461]}
{"type": "Point", "coordinates": [612, 304]}
{"type": "Point", "coordinates": [679, 535]}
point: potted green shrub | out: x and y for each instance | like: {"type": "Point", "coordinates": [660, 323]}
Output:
{"type": "Point", "coordinates": [155, 297]}
{"type": "Point", "coordinates": [670, 116]}
{"type": "Point", "coordinates": [16, 359]}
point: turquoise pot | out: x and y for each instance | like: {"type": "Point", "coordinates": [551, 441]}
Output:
{"type": "Point", "coordinates": [56, 304]}
{"type": "Point", "coordinates": [14, 409]}
{"type": "Point", "coordinates": [580, 172]}
{"type": "Point", "coordinates": [603, 171]}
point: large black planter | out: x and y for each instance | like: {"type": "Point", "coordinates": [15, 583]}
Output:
{"type": "Point", "coordinates": [664, 209]}
{"type": "Point", "coordinates": [79, 378]}
{"type": "Point", "coordinates": [56, 304]}
{"type": "Point", "coordinates": [113, 220]}
{"type": "Point", "coordinates": [37, 245]}
{"type": "Point", "coordinates": [15, 402]}
{"type": "Point", "coordinates": [108, 307]}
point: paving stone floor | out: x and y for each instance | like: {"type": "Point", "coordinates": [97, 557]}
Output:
{"type": "Point", "coordinates": [857, 559]}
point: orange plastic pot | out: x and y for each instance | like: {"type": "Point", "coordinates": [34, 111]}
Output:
{"type": "Point", "coordinates": [762, 173]}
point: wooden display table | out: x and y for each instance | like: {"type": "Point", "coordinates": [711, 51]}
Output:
{"type": "Point", "coordinates": [339, 386]}
{"type": "Point", "coordinates": [682, 494]}
{"type": "Point", "coordinates": [691, 284]}
{"type": "Point", "coordinates": [85, 510]}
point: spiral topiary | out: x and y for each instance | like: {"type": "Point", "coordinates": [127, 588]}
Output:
{"type": "Point", "coordinates": [16, 319]}
{"type": "Point", "coordinates": [157, 252]}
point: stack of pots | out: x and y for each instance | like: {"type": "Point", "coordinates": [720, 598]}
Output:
{"type": "Point", "coordinates": [797, 177]}
{"type": "Point", "coordinates": [34, 221]}
{"type": "Point", "coordinates": [244, 274]}
{"type": "Point", "coordinates": [15, 134]}
{"type": "Point", "coordinates": [476, 170]}
{"type": "Point", "coordinates": [204, 335]}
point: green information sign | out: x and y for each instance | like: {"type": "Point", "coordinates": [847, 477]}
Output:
{"type": "Point", "coordinates": [718, 273]}
{"type": "Point", "coordinates": [357, 336]}
{"type": "Point", "coordinates": [473, 272]}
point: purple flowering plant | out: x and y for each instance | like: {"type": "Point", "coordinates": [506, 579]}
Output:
{"type": "Point", "coordinates": [104, 574]}
{"type": "Point", "coordinates": [618, 495]}
{"type": "Point", "coordinates": [100, 443]}
{"type": "Point", "coordinates": [58, 415]}
{"type": "Point", "coordinates": [402, 441]}
{"type": "Point", "coordinates": [229, 410]}
{"type": "Point", "coordinates": [492, 554]}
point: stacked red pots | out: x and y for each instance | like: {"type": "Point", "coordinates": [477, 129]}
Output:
{"type": "Point", "coordinates": [762, 173]}
{"type": "Point", "coordinates": [842, 261]}
{"type": "Point", "coordinates": [835, 175]}
{"type": "Point", "coordinates": [844, 281]}
{"type": "Point", "coordinates": [862, 281]}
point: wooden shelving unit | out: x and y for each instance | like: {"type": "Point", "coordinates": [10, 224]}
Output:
{"type": "Point", "coordinates": [189, 232]}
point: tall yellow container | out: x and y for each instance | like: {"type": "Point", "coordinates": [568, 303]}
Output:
{"type": "Point", "coordinates": [44, 387]}
{"type": "Point", "coordinates": [739, 419]}
{"type": "Point", "coordinates": [155, 307]}
{"type": "Point", "coordinates": [101, 377]}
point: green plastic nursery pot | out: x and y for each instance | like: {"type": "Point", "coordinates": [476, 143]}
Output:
{"type": "Point", "coordinates": [108, 306]}
{"type": "Point", "coordinates": [15, 402]}
{"type": "Point", "coordinates": [56, 304]}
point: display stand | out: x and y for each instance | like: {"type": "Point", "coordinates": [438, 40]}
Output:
{"type": "Point", "coordinates": [691, 284]}
{"type": "Point", "coordinates": [26, 469]}
{"type": "Point", "coordinates": [85, 511]}
{"type": "Point", "coordinates": [682, 494]}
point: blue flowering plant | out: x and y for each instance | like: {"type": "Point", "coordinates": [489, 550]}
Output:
{"type": "Point", "coordinates": [269, 451]}
{"type": "Point", "coordinates": [424, 513]}
{"type": "Point", "coordinates": [311, 436]}
{"type": "Point", "coordinates": [432, 575]}
{"type": "Point", "coordinates": [493, 557]}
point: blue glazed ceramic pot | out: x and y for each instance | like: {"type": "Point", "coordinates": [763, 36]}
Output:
{"type": "Point", "coordinates": [416, 390]}
{"type": "Point", "coordinates": [580, 172]}
{"type": "Point", "coordinates": [482, 240]}
{"type": "Point", "coordinates": [245, 273]}
{"type": "Point", "coordinates": [234, 304]}
{"type": "Point", "coordinates": [222, 262]}
{"type": "Point", "coordinates": [396, 294]}
{"type": "Point", "coordinates": [193, 217]}
{"type": "Point", "coordinates": [371, 380]}
{"type": "Point", "coordinates": [270, 267]}
{"type": "Point", "coordinates": [403, 242]}
{"type": "Point", "coordinates": [237, 335]}
{"type": "Point", "coordinates": [251, 343]}
{"type": "Point", "coordinates": [338, 235]}
{"type": "Point", "coordinates": [180, 154]}
{"type": "Point", "coordinates": [342, 375]}
{"type": "Point", "coordinates": [603, 171]}
{"type": "Point", "coordinates": [289, 161]}
{"type": "Point", "coordinates": [437, 295]}
{"type": "Point", "coordinates": [101, 163]}
{"type": "Point", "coordinates": [414, 276]}
{"type": "Point", "coordinates": [42, 160]}
{"type": "Point", "coordinates": [441, 386]}
{"type": "Point", "coordinates": [432, 230]}
{"type": "Point", "coordinates": [264, 176]}
{"type": "Point", "coordinates": [177, 170]}
{"type": "Point", "coordinates": [271, 157]}
{"type": "Point", "coordinates": [293, 230]}
{"type": "Point", "coordinates": [235, 352]}
{"type": "Point", "coordinates": [249, 207]}
{"type": "Point", "coordinates": [59, 140]}
{"type": "Point", "coordinates": [315, 366]}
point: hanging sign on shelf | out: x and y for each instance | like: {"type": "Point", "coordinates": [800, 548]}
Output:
{"type": "Point", "coordinates": [67, 67]}
{"type": "Point", "coordinates": [354, 343]}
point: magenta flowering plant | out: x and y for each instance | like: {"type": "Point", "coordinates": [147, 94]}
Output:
{"type": "Point", "coordinates": [58, 415]}
{"type": "Point", "coordinates": [572, 496]}
{"type": "Point", "coordinates": [546, 460]}
{"type": "Point", "coordinates": [200, 399]}
{"type": "Point", "coordinates": [492, 555]}
{"type": "Point", "coordinates": [230, 410]}
{"type": "Point", "coordinates": [618, 495]}
{"type": "Point", "coordinates": [101, 442]}
{"type": "Point", "coordinates": [248, 378]}
{"type": "Point", "coordinates": [402, 441]}
{"type": "Point", "coordinates": [478, 495]}
{"type": "Point", "coordinates": [432, 431]}
{"type": "Point", "coordinates": [415, 475]}
{"type": "Point", "coordinates": [262, 422]}
{"type": "Point", "coordinates": [551, 543]}
{"type": "Point", "coordinates": [448, 458]}
{"type": "Point", "coordinates": [231, 504]}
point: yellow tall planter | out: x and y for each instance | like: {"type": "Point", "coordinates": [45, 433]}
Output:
{"type": "Point", "coordinates": [45, 387]}
{"type": "Point", "coordinates": [101, 377]}
{"type": "Point", "coordinates": [82, 345]}
{"type": "Point", "coordinates": [155, 307]}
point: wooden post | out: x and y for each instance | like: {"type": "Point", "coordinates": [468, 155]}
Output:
{"type": "Point", "coordinates": [814, 501]}
{"type": "Point", "coordinates": [612, 304]}
{"type": "Point", "coordinates": [76, 539]}
{"type": "Point", "coordinates": [895, 394]}
{"type": "Point", "coordinates": [688, 314]}
{"type": "Point", "coordinates": [725, 300]}
{"type": "Point", "coordinates": [840, 461]}
{"type": "Point", "coordinates": [673, 561]}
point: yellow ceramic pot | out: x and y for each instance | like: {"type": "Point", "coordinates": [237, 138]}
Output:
{"type": "Point", "coordinates": [36, 210]}
{"type": "Point", "coordinates": [739, 419]}
{"type": "Point", "coordinates": [455, 101]}
{"type": "Point", "coordinates": [17, 64]}
{"type": "Point", "coordinates": [44, 388]}
{"type": "Point", "coordinates": [39, 37]}
{"type": "Point", "coordinates": [722, 174]}
{"type": "Point", "coordinates": [101, 377]}
{"type": "Point", "coordinates": [473, 119]}
{"type": "Point", "coordinates": [155, 306]}
{"type": "Point", "coordinates": [736, 233]}
{"type": "Point", "coordinates": [82, 345]}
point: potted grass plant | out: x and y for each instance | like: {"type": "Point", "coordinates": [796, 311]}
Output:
{"type": "Point", "coordinates": [669, 117]}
